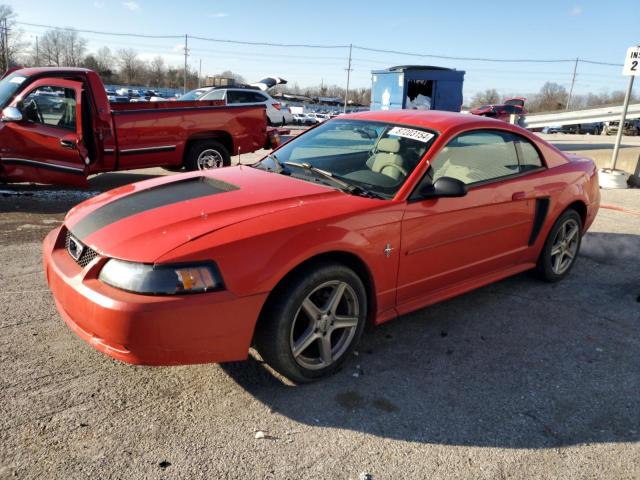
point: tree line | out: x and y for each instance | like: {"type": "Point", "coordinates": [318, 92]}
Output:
{"type": "Point", "coordinates": [552, 97]}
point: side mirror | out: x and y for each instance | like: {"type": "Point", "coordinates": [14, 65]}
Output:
{"type": "Point", "coordinates": [444, 187]}
{"type": "Point", "coordinates": [11, 114]}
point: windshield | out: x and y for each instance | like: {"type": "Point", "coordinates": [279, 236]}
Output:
{"type": "Point", "coordinates": [8, 87]}
{"type": "Point", "coordinates": [192, 95]}
{"type": "Point", "coordinates": [376, 156]}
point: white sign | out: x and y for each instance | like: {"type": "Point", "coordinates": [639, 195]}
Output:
{"type": "Point", "coordinates": [632, 62]}
{"type": "Point", "coordinates": [411, 133]}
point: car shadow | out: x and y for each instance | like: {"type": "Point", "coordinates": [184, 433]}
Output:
{"type": "Point", "coordinates": [517, 364]}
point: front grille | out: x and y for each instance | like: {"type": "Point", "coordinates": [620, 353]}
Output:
{"type": "Point", "coordinates": [87, 255]}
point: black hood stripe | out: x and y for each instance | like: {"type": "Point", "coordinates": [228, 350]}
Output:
{"type": "Point", "coordinates": [149, 199]}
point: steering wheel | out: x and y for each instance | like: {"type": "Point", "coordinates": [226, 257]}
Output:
{"type": "Point", "coordinates": [32, 109]}
{"type": "Point", "coordinates": [397, 167]}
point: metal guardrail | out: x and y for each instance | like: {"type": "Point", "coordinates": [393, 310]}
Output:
{"type": "Point", "coordinates": [605, 114]}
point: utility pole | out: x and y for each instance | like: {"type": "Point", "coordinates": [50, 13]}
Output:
{"type": "Point", "coordinates": [5, 44]}
{"type": "Point", "coordinates": [186, 54]}
{"type": "Point", "coordinates": [37, 53]}
{"type": "Point", "coordinates": [573, 81]}
{"type": "Point", "coordinates": [200, 75]}
{"type": "Point", "coordinates": [346, 93]}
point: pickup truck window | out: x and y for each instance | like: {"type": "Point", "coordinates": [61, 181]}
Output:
{"type": "Point", "coordinates": [52, 106]}
{"type": "Point", "coordinates": [9, 86]}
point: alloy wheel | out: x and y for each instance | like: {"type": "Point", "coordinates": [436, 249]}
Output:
{"type": "Point", "coordinates": [325, 325]}
{"type": "Point", "coordinates": [209, 159]}
{"type": "Point", "coordinates": [565, 246]}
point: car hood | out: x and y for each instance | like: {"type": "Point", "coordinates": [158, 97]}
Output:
{"type": "Point", "coordinates": [143, 221]}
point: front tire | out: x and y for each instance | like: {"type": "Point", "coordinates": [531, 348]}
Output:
{"type": "Point", "coordinates": [561, 247]}
{"type": "Point", "coordinates": [207, 155]}
{"type": "Point", "coordinates": [313, 322]}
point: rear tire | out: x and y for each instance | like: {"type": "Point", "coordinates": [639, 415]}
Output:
{"type": "Point", "coordinates": [207, 155]}
{"type": "Point", "coordinates": [313, 322]}
{"type": "Point", "coordinates": [561, 248]}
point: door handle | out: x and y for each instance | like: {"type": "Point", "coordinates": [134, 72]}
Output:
{"type": "Point", "coordinates": [70, 144]}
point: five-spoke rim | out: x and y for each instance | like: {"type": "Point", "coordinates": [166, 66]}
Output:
{"type": "Point", "coordinates": [324, 325]}
{"type": "Point", "coordinates": [210, 159]}
{"type": "Point", "coordinates": [565, 246]}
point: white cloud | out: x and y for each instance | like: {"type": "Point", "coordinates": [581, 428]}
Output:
{"type": "Point", "coordinates": [133, 6]}
{"type": "Point", "coordinates": [219, 15]}
{"type": "Point", "coordinates": [98, 4]}
{"type": "Point", "coordinates": [576, 11]}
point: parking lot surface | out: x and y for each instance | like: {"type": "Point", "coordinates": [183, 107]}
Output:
{"type": "Point", "coordinates": [520, 379]}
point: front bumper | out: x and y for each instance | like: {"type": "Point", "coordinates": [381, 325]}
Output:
{"type": "Point", "coordinates": [148, 330]}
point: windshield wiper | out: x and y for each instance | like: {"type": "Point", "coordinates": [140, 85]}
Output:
{"type": "Point", "coordinates": [280, 168]}
{"type": "Point", "coordinates": [341, 184]}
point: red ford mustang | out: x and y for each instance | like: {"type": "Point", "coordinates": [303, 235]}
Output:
{"type": "Point", "coordinates": [361, 219]}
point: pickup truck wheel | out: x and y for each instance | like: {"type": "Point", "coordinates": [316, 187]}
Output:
{"type": "Point", "coordinates": [313, 322]}
{"type": "Point", "coordinates": [207, 155]}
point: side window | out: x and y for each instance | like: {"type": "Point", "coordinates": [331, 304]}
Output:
{"type": "Point", "coordinates": [477, 157]}
{"type": "Point", "coordinates": [52, 106]}
{"type": "Point", "coordinates": [214, 95]}
{"type": "Point", "coordinates": [258, 98]}
{"type": "Point", "coordinates": [234, 97]}
{"type": "Point", "coordinates": [529, 157]}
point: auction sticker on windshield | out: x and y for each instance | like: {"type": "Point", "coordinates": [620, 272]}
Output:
{"type": "Point", "coordinates": [18, 80]}
{"type": "Point", "coordinates": [411, 133]}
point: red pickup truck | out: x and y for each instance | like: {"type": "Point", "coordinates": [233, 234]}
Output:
{"type": "Point", "coordinates": [57, 126]}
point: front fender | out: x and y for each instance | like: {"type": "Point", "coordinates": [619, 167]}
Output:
{"type": "Point", "coordinates": [255, 255]}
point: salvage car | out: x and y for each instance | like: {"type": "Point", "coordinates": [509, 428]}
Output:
{"type": "Point", "coordinates": [63, 138]}
{"type": "Point", "coordinates": [359, 220]}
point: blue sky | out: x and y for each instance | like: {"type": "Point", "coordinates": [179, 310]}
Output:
{"type": "Point", "coordinates": [594, 30]}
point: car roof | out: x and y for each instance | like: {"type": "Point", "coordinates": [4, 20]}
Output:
{"type": "Point", "coordinates": [432, 119]}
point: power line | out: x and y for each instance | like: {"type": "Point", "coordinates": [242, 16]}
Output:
{"type": "Point", "coordinates": [267, 44]}
{"type": "Point", "coordinates": [318, 46]}
{"type": "Point", "coordinates": [114, 34]}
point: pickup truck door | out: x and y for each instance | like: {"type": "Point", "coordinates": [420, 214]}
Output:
{"type": "Point", "coordinates": [46, 144]}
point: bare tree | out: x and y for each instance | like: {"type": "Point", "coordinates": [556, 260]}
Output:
{"type": "Point", "coordinates": [75, 48]}
{"type": "Point", "coordinates": [130, 65]}
{"type": "Point", "coordinates": [15, 44]}
{"type": "Point", "coordinates": [489, 96]}
{"type": "Point", "coordinates": [52, 48]}
{"type": "Point", "coordinates": [157, 71]}
{"type": "Point", "coordinates": [552, 96]}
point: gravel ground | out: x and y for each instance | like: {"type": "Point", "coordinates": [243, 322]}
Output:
{"type": "Point", "coordinates": [516, 380]}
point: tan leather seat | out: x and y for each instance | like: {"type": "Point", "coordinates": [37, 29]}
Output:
{"type": "Point", "coordinates": [474, 163]}
{"type": "Point", "coordinates": [387, 160]}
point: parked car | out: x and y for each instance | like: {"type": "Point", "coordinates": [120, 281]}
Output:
{"type": "Point", "coordinates": [631, 127]}
{"type": "Point", "coordinates": [594, 128]}
{"type": "Point", "coordinates": [359, 220]}
{"type": "Point", "coordinates": [276, 115]}
{"type": "Point", "coordinates": [304, 119]}
{"type": "Point", "coordinates": [501, 112]}
{"type": "Point", "coordinates": [88, 135]}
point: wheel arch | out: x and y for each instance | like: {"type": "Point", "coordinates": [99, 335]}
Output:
{"type": "Point", "coordinates": [348, 259]}
{"type": "Point", "coordinates": [580, 207]}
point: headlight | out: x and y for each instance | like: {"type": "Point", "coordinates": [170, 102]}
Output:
{"type": "Point", "coordinates": [161, 279]}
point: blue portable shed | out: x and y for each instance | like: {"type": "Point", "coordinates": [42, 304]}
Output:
{"type": "Point", "coordinates": [397, 87]}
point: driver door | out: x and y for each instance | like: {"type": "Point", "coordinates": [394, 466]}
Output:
{"type": "Point", "coordinates": [46, 146]}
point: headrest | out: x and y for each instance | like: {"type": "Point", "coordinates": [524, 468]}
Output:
{"type": "Point", "coordinates": [390, 145]}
